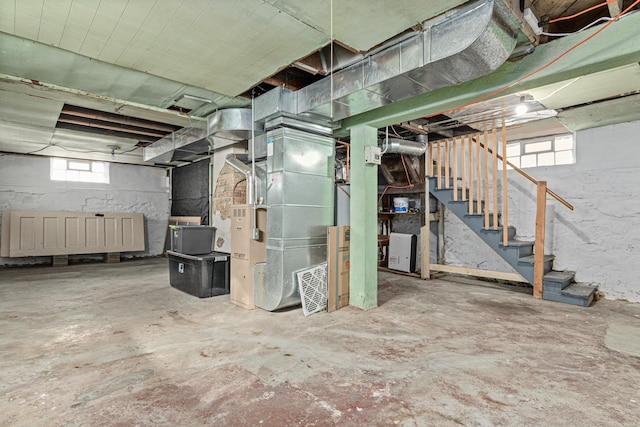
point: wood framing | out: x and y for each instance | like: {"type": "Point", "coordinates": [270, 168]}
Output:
{"type": "Point", "coordinates": [474, 272]}
{"type": "Point", "coordinates": [541, 214]}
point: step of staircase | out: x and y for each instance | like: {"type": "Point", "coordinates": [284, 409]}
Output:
{"type": "Point", "coordinates": [557, 285]}
{"type": "Point", "coordinates": [575, 293]}
{"type": "Point", "coordinates": [556, 281]}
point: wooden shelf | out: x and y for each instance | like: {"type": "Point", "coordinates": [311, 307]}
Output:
{"type": "Point", "coordinates": [399, 213]}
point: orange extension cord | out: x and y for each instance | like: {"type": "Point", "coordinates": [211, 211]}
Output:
{"type": "Point", "coordinates": [536, 71]}
{"type": "Point", "coordinates": [564, 18]}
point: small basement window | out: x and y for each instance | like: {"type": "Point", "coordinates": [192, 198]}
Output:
{"type": "Point", "coordinates": [546, 151]}
{"type": "Point", "coordinates": [79, 170]}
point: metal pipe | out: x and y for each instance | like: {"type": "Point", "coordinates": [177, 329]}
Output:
{"type": "Point", "coordinates": [386, 141]}
{"type": "Point", "coordinates": [235, 163]}
{"type": "Point", "coordinates": [255, 233]}
{"type": "Point", "coordinates": [403, 146]}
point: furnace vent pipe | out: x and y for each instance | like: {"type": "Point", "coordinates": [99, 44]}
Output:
{"type": "Point", "coordinates": [403, 146]}
{"type": "Point", "coordinates": [238, 165]}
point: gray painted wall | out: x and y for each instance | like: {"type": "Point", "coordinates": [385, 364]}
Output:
{"type": "Point", "coordinates": [600, 239]}
{"type": "Point", "coordinates": [25, 185]}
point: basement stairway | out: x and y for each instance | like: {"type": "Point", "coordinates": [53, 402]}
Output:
{"type": "Point", "coordinates": [454, 193]}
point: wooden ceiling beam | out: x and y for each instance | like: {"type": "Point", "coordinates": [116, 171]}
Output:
{"type": "Point", "coordinates": [128, 121]}
{"type": "Point", "coordinates": [109, 127]}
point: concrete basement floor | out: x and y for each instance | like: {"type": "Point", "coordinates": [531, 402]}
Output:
{"type": "Point", "coordinates": [115, 345]}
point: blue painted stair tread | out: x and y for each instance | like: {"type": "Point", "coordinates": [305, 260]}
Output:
{"type": "Point", "coordinates": [576, 294]}
{"type": "Point", "coordinates": [558, 279]}
{"type": "Point", "coordinates": [558, 285]}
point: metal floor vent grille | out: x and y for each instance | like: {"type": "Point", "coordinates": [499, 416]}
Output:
{"type": "Point", "coordinates": [313, 288]}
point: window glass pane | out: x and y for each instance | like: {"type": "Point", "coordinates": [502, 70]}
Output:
{"type": "Point", "coordinates": [564, 157]}
{"type": "Point", "coordinates": [536, 147]}
{"type": "Point", "coordinates": [97, 167]}
{"type": "Point", "coordinates": [79, 171]}
{"type": "Point", "coordinates": [513, 150]}
{"type": "Point", "coordinates": [546, 159]}
{"type": "Point", "coordinates": [528, 161]}
{"type": "Point", "coordinates": [58, 175]}
{"type": "Point", "coordinates": [564, 143]}
{"type": "Point", "coordinates": [515, 161]}
{"type": "Point", "coordinates": [73, 175]}
{"type": "Point", "coordinates": [81, 166]}
{"type": "Point", "coordinates": [58, 164]}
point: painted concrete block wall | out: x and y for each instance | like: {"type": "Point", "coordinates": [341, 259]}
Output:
{"type": "Point", "coordinates": [25, 185]}
{"type": "Point", "coordinates": [600, 239]}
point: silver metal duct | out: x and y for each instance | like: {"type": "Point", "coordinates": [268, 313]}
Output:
{"type": "Point", "coordinates": [461, 45]}
{"type": "Point", "coordinates": [244, 169]}
{"type": "Point", "coordinates": [403, 146]}
{"type": "Point", "coordinates": [222, 128]}
{"type": "Point", "coordinates": [300, 186]}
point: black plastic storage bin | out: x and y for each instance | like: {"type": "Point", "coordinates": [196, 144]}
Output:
{"type": "Point", "coordinates": [192, 239]}
{"type": "Point", "coordinates": [202, 276]}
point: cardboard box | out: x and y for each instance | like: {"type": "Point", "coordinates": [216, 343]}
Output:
{"type": "Point", "coordinates": [338, 242]}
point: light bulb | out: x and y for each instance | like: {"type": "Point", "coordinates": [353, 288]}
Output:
{"type": "Point", "coordinates": [521, 109]}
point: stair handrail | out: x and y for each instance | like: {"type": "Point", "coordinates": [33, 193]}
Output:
{"type": "Point", "coordinates": [530, 178]}
{"type": "Point", "coordinates": [475, 167]}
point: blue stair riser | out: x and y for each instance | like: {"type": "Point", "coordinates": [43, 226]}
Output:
{"type": "Point", "coordinates": [557, 286]}
{"type": "Point", "coordinates": [491, 237]}
{"type": "Point", "coordinates": [568, 299]}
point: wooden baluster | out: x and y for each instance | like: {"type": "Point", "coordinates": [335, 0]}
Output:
{"type": "Point", "coordinates": [470, 146]}
{"type": "Point", "coordinates": [505, 200]}
{"type": "Point", "coordinates": [479, 175]}
{"type": "Point", "coordinates": [447, 166]}
{"type": "Point", "coordinates": [455, 169]}
{"type": "Point", "coordinates": [438, 165]}
{"type": "Point", "coordinates": [463, 167]}
{"type": "Point", "coordinates": [430, 169]}
{"type": "Point", "coordinates": [487, 201]}
{"type": "Point", "coordinates": [538, 258]}
{"type": "Point", "coordinates": [494, 174]}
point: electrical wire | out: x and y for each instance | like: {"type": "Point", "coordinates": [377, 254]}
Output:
{"type": "Point", "coordinates": [82, 151]}
{"type": "Point", "coordinates": [393, 128]}
{"type": "Point", "coordinates": [331, 52]}
{"type": "Point", "coordinates": [406, 172]}
{"type": "Point", "coordinates": [586, 27]}
{"type": "Point", "coordinates": [537, 70]}
{"type": "Point", "coordinates": [564, 18]}
{"type": "Point", "coordinates": [40, 149]}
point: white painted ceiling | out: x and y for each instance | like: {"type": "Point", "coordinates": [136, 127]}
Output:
{"type": "Point", "coordinates": [136, 57]}
{"type": "Point", "coordinates": [221, 45]}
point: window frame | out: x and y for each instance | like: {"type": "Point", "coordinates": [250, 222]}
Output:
{"type": "Point", "coordinates": [535, 152]}
{"type": "Point", "coordinates": [71, 170]}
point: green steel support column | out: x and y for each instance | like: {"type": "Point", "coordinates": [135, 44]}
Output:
{"type": "Point", "coordinates": [363, 276]}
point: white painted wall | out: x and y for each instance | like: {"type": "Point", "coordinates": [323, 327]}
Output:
{"type": "Point", "coordinates": [25, 185]}
{"type": "Point", "coordinates": [600, 239]}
